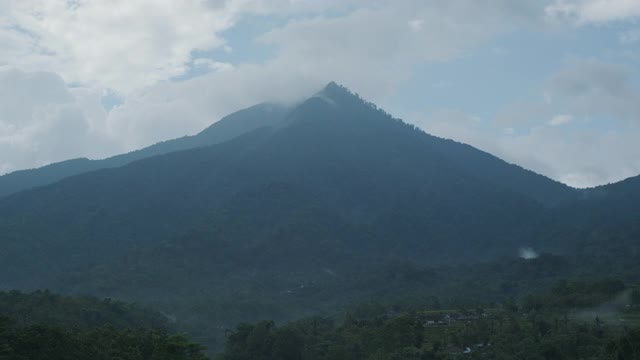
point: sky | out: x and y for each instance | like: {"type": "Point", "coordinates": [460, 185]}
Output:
{"type": "Point", "coordinates": [550, 85]}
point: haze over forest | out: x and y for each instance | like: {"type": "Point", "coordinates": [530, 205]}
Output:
{"type": "Point", "coordinates": [265, 179]}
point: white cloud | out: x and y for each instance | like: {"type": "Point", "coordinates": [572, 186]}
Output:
{"type": "Point", "coordinates": [594, 11]}
{"type": "Point", "coordinates": [42, 121]}
{"type": "Point", "coordinates": [119, 44]}
{"type": "Point", "coordinates": [126, 44]}
{"type": "Point", "coordinates": [560, 119]}
{"type": "Point", "coordinates": [416, 24]}
{"type": "Point", "coordinates": [212, 64]}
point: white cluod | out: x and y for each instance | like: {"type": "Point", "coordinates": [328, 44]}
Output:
{"type": "Point", "coordinates": [528, 253]}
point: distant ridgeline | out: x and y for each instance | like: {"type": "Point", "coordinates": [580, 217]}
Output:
{"type": "Point", "coordinates": [281, 212]}
{"type": "Point", "coordinates": [238, 123]}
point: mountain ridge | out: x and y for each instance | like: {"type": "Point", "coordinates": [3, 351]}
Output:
{"type": "Point", "coordinates": [370, 153]}
{"type": "Point", "coordinates": [230, 126]}
{"type": "Point", "coordinates": [267, 114]}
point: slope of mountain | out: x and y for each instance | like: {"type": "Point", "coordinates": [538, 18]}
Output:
{"type": "Point", "coordinates": [490, 168]}
{"type": "Point", "coordinates": [283, 218]}
{"type": "Point", "coordinates": [604, 221]}
{"type": "Point", "coordinates": [45, 308]}
{"type": "Point", "coordinates": [238, 123]}
{"type": "Point", "coordinates": [393, 190]}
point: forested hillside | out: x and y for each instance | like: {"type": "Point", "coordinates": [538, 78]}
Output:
{"type": "Point", "coordinates": [561, 325]}
{"type": "Point", "coordinates": [383, 185]}
{"type": "Point", "coordinates": [41, 325]}
{"type": "Point", "coordinates": [333, 202]}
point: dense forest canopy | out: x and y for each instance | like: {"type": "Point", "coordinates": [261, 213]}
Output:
{"type": "Point", "coordinates": [569, 320]}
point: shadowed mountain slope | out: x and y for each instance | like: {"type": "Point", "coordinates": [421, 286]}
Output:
{"type": "Point", "coordinates": [399, 190]}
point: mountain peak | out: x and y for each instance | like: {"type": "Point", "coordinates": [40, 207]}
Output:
{"type": "Point", "coordinates": [332, 85]}
{"type": "Point", "coordinates": [335, 89]}
{"type": "Point", "coordinates": [335, 94]}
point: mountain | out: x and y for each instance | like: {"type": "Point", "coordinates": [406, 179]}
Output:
{"type": "Point", "coordinates": [238, 123]}
{"type": "Point", "coordinates": [338, 201]}
{"type": "Point", "coordinates": [603, 221]}
{"type": "Point", "coordinates": [357, 184]}
{"type": "Point", "coordinates": [490, 168]}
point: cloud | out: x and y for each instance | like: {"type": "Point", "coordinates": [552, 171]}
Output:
{"type": "Point", "coordinates": [43, 121]}
{"type": "Point", "coordinates": [416, 24]}
{"type": "Point", "coordinates": [527, 253]}
{"type": "Point", "coordinates": [589, 88]}
{"type": "Point", "coordinates": [144, 56]}
{"type": "Point", "coordinates": [630, 36]}
{"type": "Point", "coordinates": [309, 52]}
{"type": "Point", "coordinates": [523, 113]}
{"type": "Point", "coordinates": [377, 47]}
{"type": "Point", "coordinates": [129, 49]}
{"type": "Point", "coordinates": [576, 157]}
{"type": "Point", "coordinates": [212, 64]}
{"type": "Point", "coordinates": [580, 157]}
{"type": "Point", "coordinates": [595, 94]}
{"type": "Point", "coordinates": [593, 11]}
{"type": "Point", "coordinates": [125, 45]}
{"type": "Point", "coordinates": [560, 119]}
{"type": "Point", "coordinates": [586, 89]}
{"type": "Point", "coordinates": [117, 44]}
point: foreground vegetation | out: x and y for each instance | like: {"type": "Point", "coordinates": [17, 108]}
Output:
{"type": "Point", "coordinates": [500, 335]}
{"type": "Point", "coordinates": [41, 342]}
{"type": "Point", "coordinates": [559, 324]}
{"type": "Point", "coordinates": [597, 319]}
{"type": "Point", "coordinates": [41, 325]}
